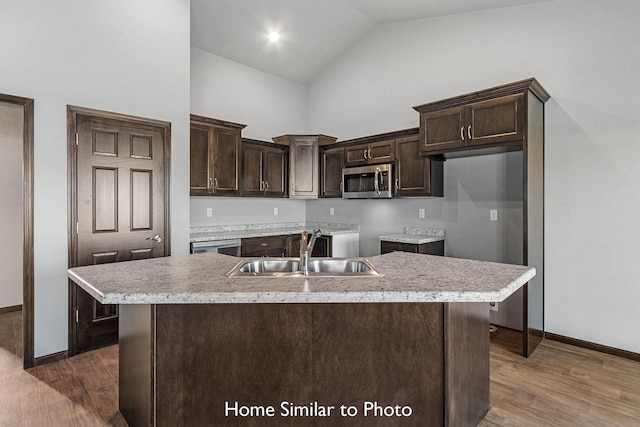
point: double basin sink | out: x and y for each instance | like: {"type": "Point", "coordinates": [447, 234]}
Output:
{"type": "Point", "coordinates": [290, 267]}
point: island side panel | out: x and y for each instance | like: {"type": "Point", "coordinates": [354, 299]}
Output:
{"type": "Point", "coordinates": [170, 364]}
{"type": "Point", "coordinates": [136, 323]}
{"type": "Point", "coordinates": [466, 350]}
{"type": "Point", "coordinates": [255, 354]}
{"type": "Point", "coordinates": [389, 353]}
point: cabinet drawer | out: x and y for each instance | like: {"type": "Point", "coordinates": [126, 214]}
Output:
{"type": "Point", "coordinates": [433, 248]}
{"type": "Point", "coordinates": [264, 246]}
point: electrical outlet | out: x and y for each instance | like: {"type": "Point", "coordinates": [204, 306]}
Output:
{"type": "Point", "coordinates": [209, 212]}
{"type": "Point", "coordinates": [332, 211]}
{"type": "Point", "coordinates": [275, 211]}
{"type": "Point", "coordinates": [421, 213]}
{"type": "Point", "coordinates": [493, 306]}
{"type": "Point", "coordinates": [493, 214]}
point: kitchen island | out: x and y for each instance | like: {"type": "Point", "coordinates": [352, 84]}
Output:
{"type": "Point", "coordinates": [410, 348]}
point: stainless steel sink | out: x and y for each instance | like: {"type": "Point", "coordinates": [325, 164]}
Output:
{"type": "Point", "coordinates": [318, 267]}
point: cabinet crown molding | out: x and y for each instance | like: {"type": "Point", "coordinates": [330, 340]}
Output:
{"type": "Point", "coordinates": [512, 88]}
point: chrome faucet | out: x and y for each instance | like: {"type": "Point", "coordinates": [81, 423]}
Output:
{"type": "Point", "coordinates": [306, 248]}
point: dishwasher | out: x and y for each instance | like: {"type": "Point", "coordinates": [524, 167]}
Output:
{"type": "Point", "coordinates": [227, 247]}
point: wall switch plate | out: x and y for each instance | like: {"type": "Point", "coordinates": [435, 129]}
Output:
{"type": "Point", "coordinates": [209, 212]}
{"type": "Point", "coordinates": [332, 211]}
{"type": "Point", "coordinates": [493, 214]}
{"type": "Point", "coordinates": [421, 213]}
{"type": "Point", "coordinates": [493, 306]}
{"type": "Point", "coordinates": [275, 211]}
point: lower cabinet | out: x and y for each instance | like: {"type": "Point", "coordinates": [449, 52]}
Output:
{"type": "Point", "coordinates": [283, 246]}
{"type": "Point", "coordinates": [433, 248]}
{"type": "Point", "coordinates": [272, 246]}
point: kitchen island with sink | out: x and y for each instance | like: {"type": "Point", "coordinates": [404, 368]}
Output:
{"type": "Point", "coordinates": [407, 348]}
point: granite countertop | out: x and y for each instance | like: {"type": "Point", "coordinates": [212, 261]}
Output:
{"type": "Point", "coordinates": [200, 278]}
{"type": "Point", "coordinates": [225, 232]}
{"type": "Point", "coordinates": [416, 236]}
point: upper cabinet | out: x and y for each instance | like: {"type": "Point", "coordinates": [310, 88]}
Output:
{"type": "Point", "coordinates": [368, 154]}
{"type": "Point", "coordinates": [303, 163]}
{"type": "Point", "coordinates": [331, 165]}
{"type": "Point", "coordinates": [416, 175]}
{"type": "Point", "coordinates": [215, 154]}
{"type": "Point", "coordinates": [492, 120]}
{"type": "Point", "coordinates": [264, 169]}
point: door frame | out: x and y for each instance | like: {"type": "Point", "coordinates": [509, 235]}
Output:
{"type": "Point", "coordinates": [72, 195]}
{"type": "Point", "coordinates": [28, 315]}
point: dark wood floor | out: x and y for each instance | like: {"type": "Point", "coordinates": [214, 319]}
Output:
{"type": "Point", "coordinates": [560, 385]}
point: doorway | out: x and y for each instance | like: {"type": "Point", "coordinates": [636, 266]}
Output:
{"type": "Point", "coordinates": [118, 207]}
{"type": "Point", "coordinates": [16, 248]}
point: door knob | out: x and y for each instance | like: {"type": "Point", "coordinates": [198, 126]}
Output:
{"type": "Point", "coordinates": [157, 238]}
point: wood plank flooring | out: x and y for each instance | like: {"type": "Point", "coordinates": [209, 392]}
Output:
{"type": "Point", "coordinates": [560, 385]}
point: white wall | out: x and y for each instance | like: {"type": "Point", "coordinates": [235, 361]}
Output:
{"type": "Point", "coordinates": [126, 56]}
{"type": "Point", "coordinates": [268, 105]}
{"type": "Point", "coordinates": [11, 246]}
{"type": "Point", "coordinates": [584, 53]}
{"type": "Point", "coordinates": [245, 210]}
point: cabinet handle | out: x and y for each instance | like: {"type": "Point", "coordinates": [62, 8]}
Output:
{"type": "Point", "coordinates": [261, 185]}
{"type": "Point", "coordinates": [341, 186]}
{"type": "Point", "coordinates": [365, 154]}
{"type": "Point", "coordinates": [397, 183]}
{"type": "Point", "coordinates": [469, 132]}
{"type": "Point", "coordinates": [264, 244]}
{"type": "Point", "coordinates": [215, 183]}
{"type": "Point", "coordinates": [266, 186]}
{"type": "Point", "coordinates": [370, 156]}
{"type": "Point", "coordinates": [210, 184]}
{"type": "Point", "coordinates": [462, 133]}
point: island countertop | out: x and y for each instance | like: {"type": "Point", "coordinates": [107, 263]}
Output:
{"type": "Point", "coordinates": [201, 279]}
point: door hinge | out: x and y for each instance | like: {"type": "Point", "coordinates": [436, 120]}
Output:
{"type": "Point", "coordinates": [77, 314]}
{"type": "Point", "coordinates": [76, 139]}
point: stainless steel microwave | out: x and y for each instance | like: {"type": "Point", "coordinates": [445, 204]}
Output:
{"type": "Point", "coordinates": [367, 182]}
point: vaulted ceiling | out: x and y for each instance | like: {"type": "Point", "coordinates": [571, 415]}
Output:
{"type": "Point", "coordinates": [314, 33]}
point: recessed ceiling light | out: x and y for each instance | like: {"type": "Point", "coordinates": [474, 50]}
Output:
{"type": "Point", "coordinates": [274, 36]}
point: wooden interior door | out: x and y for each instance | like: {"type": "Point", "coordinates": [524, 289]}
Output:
{"type": "Point", "coordinates": [121, 210]}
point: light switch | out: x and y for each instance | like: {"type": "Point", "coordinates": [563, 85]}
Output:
{"type": "Point", "coordinates": [332, 211]}
{"type": "Point", "coordinates": [275, 211]}
{"type": "Point", "coordinates": [421, 213]}
{"type": "Point", "coordinates": [493, 214]}
{"type": "Point", "coordinates": [209, 212]}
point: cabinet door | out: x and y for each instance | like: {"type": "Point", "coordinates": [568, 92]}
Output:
{"type": "Point", "coordinates": [226, 161]}
{"type": "Point", "coordinates": [252, 170]}
{"type": "Point", "coordinates": [332, 163]}
{"type": "Point", "coordinates": [443, 130]}
{"type": "Point", "coordinates": [322, 247]}
{"type": "Point", "coordinates": [356, 155]}
{"type": "Point", "coordinates": [303, 171]}
{"type": "Point", "coordinates": [412, 170]}
{"type": "Point", "coordinates": [497, 120]}
{"type": "Point", "coordinates": [381, 152]}
{"type": "Point", "coordinates": [274, 172]}
{"type": "Point", "coordinates": [199, 155]}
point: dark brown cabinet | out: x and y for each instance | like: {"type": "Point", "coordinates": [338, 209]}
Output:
{"type": "Point", "coordinates": [372, 153]}
{"type": "Point", "coordinates": [264, 169]}
{"type": "Point", "coordinates": [416, 175]}
{"type": "Point", "coordinates": [433, 248]}
{"type": "Point", "coordinates": [271, 246]}
{"type": "Point", "coordinates": [215, 155]}
{"type": "Point", "coordinates": [494, 121]}
{"type": "Point", "coordinates": [331, 165]}
{"type": "Point", "coordinates": [322, 247]}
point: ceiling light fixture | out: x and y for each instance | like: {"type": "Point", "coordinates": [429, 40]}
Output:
{"type": "Point", "coordinates": [274, 36]}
